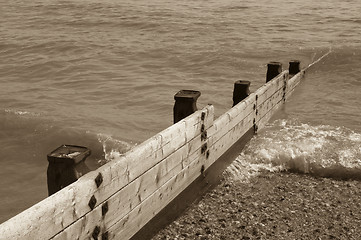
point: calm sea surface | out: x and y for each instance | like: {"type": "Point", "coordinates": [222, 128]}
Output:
{"type": "Point", "coordinates": [102, 74]}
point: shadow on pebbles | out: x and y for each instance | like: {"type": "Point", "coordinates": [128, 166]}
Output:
{"type": "Point", "coordinates": [278, 205]}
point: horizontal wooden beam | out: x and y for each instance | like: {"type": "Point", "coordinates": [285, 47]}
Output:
{"type": "Point", "coordinates": [138, 217]}
{"type": "Point", "coordinates": [293, 82]}
{"type": "Point", "coordinates": [57, 212]}
{"type": "Point", "coordinates": [135, 193]}
{"type": "Point", "coordinates": [142, 196]}
{"type": "Point", "coordinates": [120, 197]}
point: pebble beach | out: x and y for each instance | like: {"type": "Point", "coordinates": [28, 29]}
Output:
{"type": "Point", "coordinates": [281, 205]}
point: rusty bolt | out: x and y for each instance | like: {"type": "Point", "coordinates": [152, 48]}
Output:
{"type": "Point", "coordinates": [105, 236]}
{"type": "Point", "coordinates": [204, 135]}
{"type": "Point", "coordinates": [96, 232]}
{"type": "Point", "coordinates": [99, 180]}
{"type": "Point", "coordinates": [204, 148]}
{"type": "Point", "coordinates": [203, 116]}
{"type": "Point", "coordinates": [92, 202]}
{"type": "Point", "coordinates": [255, 128]}
{"type": "Point", "coordinates": [104, 208]}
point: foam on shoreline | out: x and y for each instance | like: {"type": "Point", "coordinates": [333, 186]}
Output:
{"type": "Point", "coordinates": [287, 145]}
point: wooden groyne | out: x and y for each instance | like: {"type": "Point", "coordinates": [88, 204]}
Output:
{"type": "Point", "coordinates": [119, 198]}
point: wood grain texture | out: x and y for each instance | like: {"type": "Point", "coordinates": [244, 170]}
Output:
{"type": "Point", "coordinates": [293, 82]}
{"type": "Point", "coordinates": [136, 192]}
{"type": "Point", "coordinates": [141, 183]}
{"type": "Point", "coordinates": [54, 214]}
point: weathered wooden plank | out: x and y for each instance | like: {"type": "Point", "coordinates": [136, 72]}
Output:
{"type": "Point", "coordinates": [268, 89]}
{"type": "Point", "coordinates": [62, 209]}
{"type": "Point", "coordinates": [128, 197]}
{"type": "Point", "coordinates": [293, 82]}
{"type": "Point", "coordinates": [269, 108]}
{"type": "Point", "coordinates": [271, 99]}
{"type": "Point", "coordinates": [139, 216]}
{"type": "Point", "coordinates": [42, 219]}
{"type": "Point", "coordinates": [220, 145]}
{"type": "Point", "coordinates": [257, 107]}
{"type": "Point", "coordinates": [133, 214]}
{"type": "Point", "coordinates": [137, 191]}
{"type": "Point", "coordinates": [271, 105]}
{"type": "Point", "coordinates": [227, 121]}
{"type": "Point", "coordinates": [233, 124]}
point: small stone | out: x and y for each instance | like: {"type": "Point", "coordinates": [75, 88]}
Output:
{"type": "Point", "coordinates": [202, 220]}
{"type": "Point", "coordinates": [208, 230]}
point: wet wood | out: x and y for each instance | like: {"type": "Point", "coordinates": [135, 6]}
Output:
{"type": "Point", "coordinates": [293, 82]}
{"type": "Point", "coordinates": [229, 120]}
{"type": "Point", "coordinates": [136, 192]}
{"type": "Point", "coordinates": [56, 213]}
{"type": "Point", "coordinates": [139, 216]}
{"type": "Point", "coordinates": [269, 89]}
{"type": "Point", "coordinates": [141, 183]}
{"type": "Point", "coordinates": [144, 199]}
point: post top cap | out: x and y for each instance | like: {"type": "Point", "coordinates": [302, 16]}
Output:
{"type": "Point", "coordinates": [187, 94]}
{"type": "Point", "coordinates": [70, 154]}
{"type": "Point", "coordinates": [243, 82]}
{"type": "Point", "coordinates": [274, 63]}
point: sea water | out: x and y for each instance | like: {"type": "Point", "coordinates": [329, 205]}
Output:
{"type": "Point", "coordinates": [102, 74]}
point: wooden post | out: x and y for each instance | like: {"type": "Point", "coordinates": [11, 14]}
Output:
{"type": "Point", "coordinates": [241, 91]}
{"type": "Point", "coordinates": [273, 69]}
{"type": "Point", "coordinates": [185, 104]}
{"type": "Point", "coordinates": [66, 165]}
{"type": "Point", "coordinates": [294, 67]}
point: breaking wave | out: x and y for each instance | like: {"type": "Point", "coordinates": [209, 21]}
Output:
{"type": "Point", "coordinates": [287, 145]}
{"type": "Point", "coordinates": [112, 148]}
{"type": "Point", "coordinates": [21, 113]}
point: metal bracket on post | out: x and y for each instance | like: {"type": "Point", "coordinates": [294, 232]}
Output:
{"type": "Point", "coordinates": [273, 69]}
{"type": "Point", "coordinates": [66, 165]}
{"type": "Point", "coordinates": [185, 104]}
{"type": "Point", "coordinates": [240, 91]}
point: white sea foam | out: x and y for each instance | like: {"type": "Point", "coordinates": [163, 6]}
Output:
{"type": "Point", "coordinates": [21, 113]}
{"type": "Point", "coordinates": [112, 148]}
{"type": "Point", "coordinates": [288, 145]}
